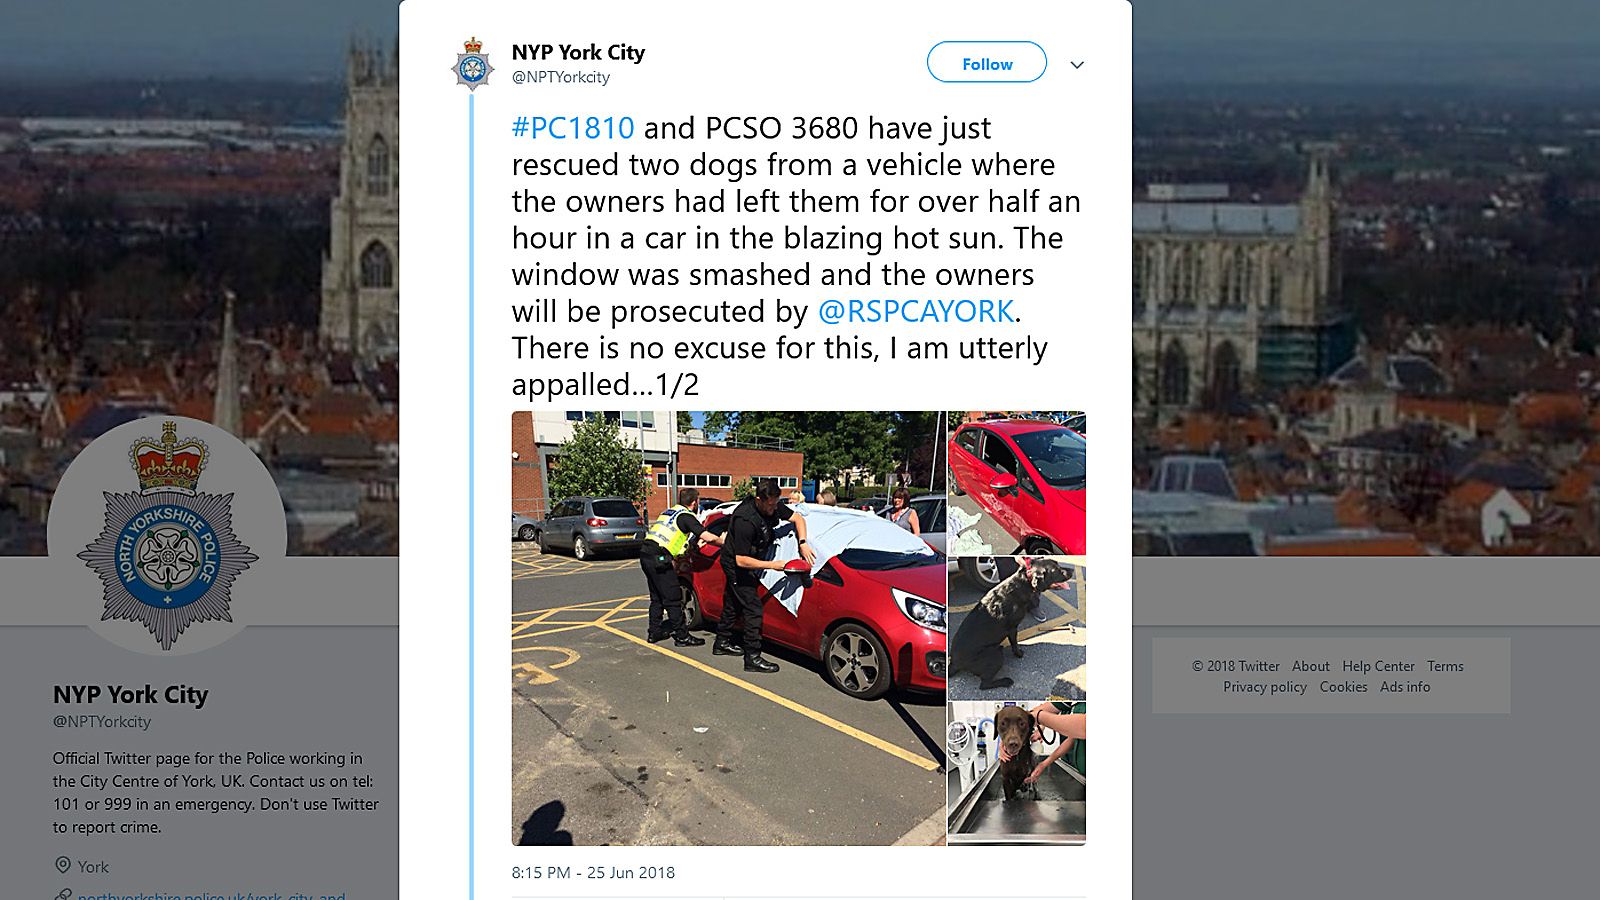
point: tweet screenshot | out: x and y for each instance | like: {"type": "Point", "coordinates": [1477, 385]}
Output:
{"type": "Point", "coordinates": [861, 267]}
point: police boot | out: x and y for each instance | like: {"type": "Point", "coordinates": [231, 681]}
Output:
{"type": "Point", "coordinates": [687, 640]}
{"type": "Point", "coordinates": [726, 646]}
{"type": "Point", "coordinates": [754, 663]}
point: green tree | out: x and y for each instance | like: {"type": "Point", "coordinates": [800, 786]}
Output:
{"type": "Point", "coordinates": [685, 420]}
{"type": "Point", "coordinates": [597, 461]}
{"type": "Point", "coordinates": [745, 488]}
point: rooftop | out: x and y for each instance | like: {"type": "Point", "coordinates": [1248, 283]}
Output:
{"type": "Point", "coordinates": [1216, 218]}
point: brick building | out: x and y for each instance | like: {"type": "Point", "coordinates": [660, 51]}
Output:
{"type": "Point", "coordinates": [674, 460]}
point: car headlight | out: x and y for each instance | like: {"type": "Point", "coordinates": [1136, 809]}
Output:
{"type": "Point", "coordinates": [920, 610]}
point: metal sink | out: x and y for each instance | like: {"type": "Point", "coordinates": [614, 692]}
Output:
{"type": "Point", "coordinates": [1052, 813]}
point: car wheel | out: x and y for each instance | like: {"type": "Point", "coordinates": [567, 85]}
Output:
{"type": "Point", "coordinates": [543, 547]}
{"type": "Point", "coordinates": [984, 572]}
{"type": "Point", "coordinates": [692, 616]}
{"type": "Point", "coordinates": [857, 663]}
{"type": "Point", "coordinates": [1040, 547]}
{"type": "Point", "coordinates": [955, 488]}
{"type": "Point", "coordinates": [525, 533]}
{"type": "Point", "coordinates": [581, 548]}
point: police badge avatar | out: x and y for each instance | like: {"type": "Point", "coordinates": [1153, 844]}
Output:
{"type": "Point", "coordinates": [167, 555]}
{"type": "Point", "coordinates": [472, 67]}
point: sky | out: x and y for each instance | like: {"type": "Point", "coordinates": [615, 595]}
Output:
{"type": "Point", "coordinates": [154, 38]}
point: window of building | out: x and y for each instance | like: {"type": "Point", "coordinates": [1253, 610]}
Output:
{"type": "Point", "coordinates": [377, 266]}
{"type": "Point", "coordinates": [1275, 264]}
{"type": "Point", "coordinates": [696, 480]}
{"type": "Point", "coordinates": [378, 177]}
{"type": "Point", "coordinates": [1225, 377]}
{"type": "Point", "coordinates": [784, 481]}
{"type": "Point", "coordinates": [1175, 376]}
{"type": "Point", "coordinates": [637, 418]}
{"type": "Point", "coordinates": [1140, 260]}
{"type": "Point", "coordinates": [1233, 278]}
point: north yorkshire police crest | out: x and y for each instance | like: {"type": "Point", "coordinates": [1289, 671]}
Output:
{"type": "Point", "coordinates": [167, 555]}
{"type": "Point", "coordinates": [472, 67]}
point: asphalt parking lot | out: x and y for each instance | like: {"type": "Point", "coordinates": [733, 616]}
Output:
{"type": "Point", "coordinates": [1053, 661]}
{"type": "Point", "coordinates": [618, 741]}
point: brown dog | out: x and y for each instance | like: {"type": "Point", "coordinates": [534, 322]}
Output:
{"type": "Point", "coordinates": [1013, 731]}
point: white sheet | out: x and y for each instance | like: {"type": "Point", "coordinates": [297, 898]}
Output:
{"type": "Point", "coordinates": [830, 531]}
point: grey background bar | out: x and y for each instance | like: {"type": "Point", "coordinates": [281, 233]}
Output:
{"type": "Point", "coordinates": [1366, 591]}
{"type": "Point", "coordinates": [294, 590]}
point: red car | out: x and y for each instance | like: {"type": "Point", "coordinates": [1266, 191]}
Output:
{"type": "Point", "coordinates": [1030, 476]}
{"type": "Point", "coordinates": [875, 619]}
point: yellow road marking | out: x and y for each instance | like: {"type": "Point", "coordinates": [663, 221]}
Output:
{"type": "Point", "coordinates": [590, 605]}
{"type": "Point", "coordinates": [785, 702]}
{"type": "Point", "coordinates": [576, 626]}
{"type": "Point", "coordinates": [543, 674]}
{"type": "Point", "coordinates": [606, 610]}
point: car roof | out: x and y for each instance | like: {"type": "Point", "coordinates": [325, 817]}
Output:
{"type": "Point", "coordinates": [1016, 426]}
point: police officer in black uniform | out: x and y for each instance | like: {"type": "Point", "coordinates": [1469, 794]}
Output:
{"type": "Point", "coordinates": [672, 537]}
{"type": "Point", "coordinates": [749, 540]}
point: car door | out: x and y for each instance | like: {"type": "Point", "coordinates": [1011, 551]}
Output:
{"type": "Point", "coordinates": [558, 527]}
{"type": "Point", "coordinates": [1014, 510]}
{"type": "Point", "coordinates": [964, 458]}
{"type": "Point", "coordinates": [1054, 463]}
{"type": "Point", "coordinates": [930, 519]}
{"type": "Point", "coordinates": [1031, 506]}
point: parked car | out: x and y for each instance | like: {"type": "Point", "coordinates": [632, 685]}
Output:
{"type": "Point", "coordinates": [874, 504]}
{"type": "Point", "coordinates": [719, 509]}
{"type": "Point", "coordinates": [523, 528]}
{"type": "Point", "coordinates": [984, 572]}
{"type": "Point", "coordinates": [707, 504]}
{"type": "Point", "coordinates": [930, 518]}
{"type": "Point", "coordinates": [1030, 476]}
{"type": "Point", "coordinates": [591, 525]}
{"type": "Point", "coordinates": [875, 619]}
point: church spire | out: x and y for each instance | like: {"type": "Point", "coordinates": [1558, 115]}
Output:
{"type": "Point", "coordinates": [225, 409]}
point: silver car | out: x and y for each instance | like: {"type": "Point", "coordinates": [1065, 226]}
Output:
{"type": "Point", "coordinates": [523, 528]}
{"type": "Point", "coordinates": [591, 525]}
{"type": "Point", "coordinates": [930, 518]}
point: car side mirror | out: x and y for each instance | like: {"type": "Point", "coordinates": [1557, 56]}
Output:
{"type": "Point", "coordinates": [1004, 483]}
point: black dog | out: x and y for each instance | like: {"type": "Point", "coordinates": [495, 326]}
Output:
{"type": "Point", "coordinates": [1013, 730]}
{"type": "Point", "coordinates": [976, 647]}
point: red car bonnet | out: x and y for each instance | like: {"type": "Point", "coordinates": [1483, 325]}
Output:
{"type": "Point", "coordinates": [926, 581]}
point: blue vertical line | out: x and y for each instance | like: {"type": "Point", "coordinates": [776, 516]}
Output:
{"type": "Point", "coordinates": [472, 500]}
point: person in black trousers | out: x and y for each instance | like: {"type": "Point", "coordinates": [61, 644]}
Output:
{"type": "Point", "coordinates": [743, 558]}
{"type": "Point", "coordinates": [672, 535]}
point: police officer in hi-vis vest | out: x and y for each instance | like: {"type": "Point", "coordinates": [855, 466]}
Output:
{"type": "Point", "coordinates": [669, 538]}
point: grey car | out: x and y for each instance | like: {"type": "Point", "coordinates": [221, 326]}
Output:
{"type": "Point", "coordinates": [591, 525]}
{"type": "Point", "coordinates": [523, 528]}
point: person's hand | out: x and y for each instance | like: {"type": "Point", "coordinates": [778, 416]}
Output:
{"type": "Point", "coordinates": [710, 538]}
{"type": "Point", "coordinates": [808, 554]}
{"type": "Point", "coordinates": [1004, 754]}
{"type": "Point", "coordinates": [1036, 774]}
{"type": "Point", "coordinates": [1046, 706]}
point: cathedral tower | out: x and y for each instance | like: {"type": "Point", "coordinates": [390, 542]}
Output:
{"type": "Point", "coordinates": [360, 274]}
